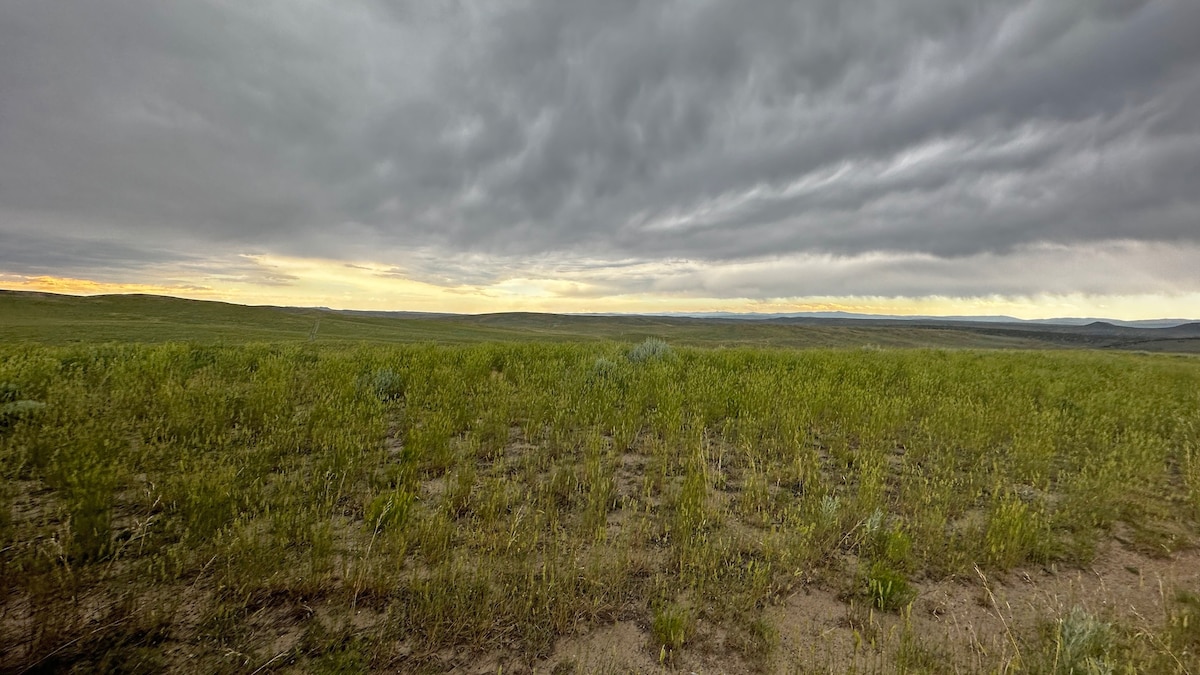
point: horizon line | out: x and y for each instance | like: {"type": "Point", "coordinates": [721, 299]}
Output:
{"type": "Point", "coordinates": [711, 314]}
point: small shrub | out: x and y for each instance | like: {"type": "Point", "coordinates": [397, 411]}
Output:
{"type": "Point", "coordinates": [873, 524]}
{"type": "Point", "coordinates": [827, 521]}
{"type": "Point", "coordinates": [1081, 644]}
{"type": "Point", "coordinates": [9, 392]}
{"type": "Point", "coordinates": [653, 349]}
{"type": "Point", "coordinates": [13, 408]}
{"type": "Point", "coordinates": [605, 369]}
{"type": "Point", "coordinates": [830, 510]}
{"type": "Point", "coordinates": [384, 384]}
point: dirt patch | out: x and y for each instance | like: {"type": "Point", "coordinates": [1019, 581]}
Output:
{"type": "Point", "coordinates": [969, 624]}
{"type": "Point", "coordinates": [630, 475]}
{"type": "Point", "coordinates": [977, 622]}
{"type": "Point", "coordinates": [619, 647]}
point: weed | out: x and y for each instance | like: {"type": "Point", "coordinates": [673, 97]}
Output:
{"type": "Point", "coordinates": [888, 589]}
{"type": "Point", "coordinates": [388, 511]}
{"type": "Point", "coordinates": [1183, 622]}
{"type": "Point", "coordinates": [671, 628]}
{"type": "Point", "coordinates": [1016, 532]}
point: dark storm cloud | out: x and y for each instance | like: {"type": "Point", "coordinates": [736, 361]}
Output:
{"type": "Point", "coordinates": [706, 130]}
{"type": "Point", "coordinates": [35, 254]}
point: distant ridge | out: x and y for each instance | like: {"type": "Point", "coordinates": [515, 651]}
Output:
{"type": "Point", "coordinates": [1188, 325]}
{"type": "Point", "coordinates": [65, 319]}
{"type": "Point", "coordinates": [996, 318]}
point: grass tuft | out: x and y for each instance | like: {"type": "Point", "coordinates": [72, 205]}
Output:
{"type": "Point", "coordinates": [671, 628]}
{"type": "Point", "coordinates": [888, 589]}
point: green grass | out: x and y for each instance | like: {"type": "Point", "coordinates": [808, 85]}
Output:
{"type": "Point", "coordinates": [670, 627]}
{"type": "Point", "coordinates": [62, 319]}
{"type": "Point", "coordinates": [340, 506]}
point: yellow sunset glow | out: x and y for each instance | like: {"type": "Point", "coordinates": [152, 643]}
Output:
{"type": "Point", "coordinates": [309, 282]}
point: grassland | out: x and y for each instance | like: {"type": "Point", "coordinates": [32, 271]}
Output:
{"type": "Point", "coordinates": [595, 506]}
{"type": "Point", "coordinates": [64, 320]}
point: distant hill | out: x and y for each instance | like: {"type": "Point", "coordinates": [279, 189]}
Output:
{"type": "Point", "coordinates": [1063, 321]}
{"type": "Point", "coordinates": [64, 319]}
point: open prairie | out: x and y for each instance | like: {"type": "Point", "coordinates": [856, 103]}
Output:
{"type": "Point", "coordinates": [792, 336]}
{"type": "Point", "coordinates": [561, 506]}
{"type": "Point", "coordinates": [48, 318]}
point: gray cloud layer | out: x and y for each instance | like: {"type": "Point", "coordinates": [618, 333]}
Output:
{"type": "Point", "coordinates": [716, 131]}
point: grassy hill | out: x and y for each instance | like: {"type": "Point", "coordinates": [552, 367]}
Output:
{"type": "Point", "coordinates": [61, 319]}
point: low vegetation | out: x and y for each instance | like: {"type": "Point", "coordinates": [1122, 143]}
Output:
{"type": "Point", "coordinates": [340, 508]}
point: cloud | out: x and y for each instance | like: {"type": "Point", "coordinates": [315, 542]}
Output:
{"type": "Point", "coordinates": [1108, 269]}
{"type": "Point", "coordinates": [937, 145]}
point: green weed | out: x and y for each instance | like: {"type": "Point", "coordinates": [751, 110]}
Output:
{"type": "Point", "coordinates": [670, 628]}
{"type": "Point", "coordinates": [888, 589]}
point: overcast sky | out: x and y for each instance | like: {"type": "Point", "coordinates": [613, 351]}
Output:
{"type": "Point", "coordinates": [1032, 157]}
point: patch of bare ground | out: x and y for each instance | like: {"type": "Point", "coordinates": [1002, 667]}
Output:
{"type": "Point", "coordinates": [976, 623]}
{"type": "Point", "coordinates": [622, 646]}
{"type": "Point", "coordinates": [980, 622]}
{"type": "Point", "coordinates": [630, 475]}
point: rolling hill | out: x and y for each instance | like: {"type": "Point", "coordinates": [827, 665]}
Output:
{"type": "Point", "coordinates": [62, 319]}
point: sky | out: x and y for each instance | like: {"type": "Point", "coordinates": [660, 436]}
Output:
{"type": "Point", "coordinates": [1035, 158]}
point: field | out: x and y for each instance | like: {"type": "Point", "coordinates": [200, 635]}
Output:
{"type": "Point", "coordinates": [61, 319]}
{"type": "Point", "coordinates": [607, 505]}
